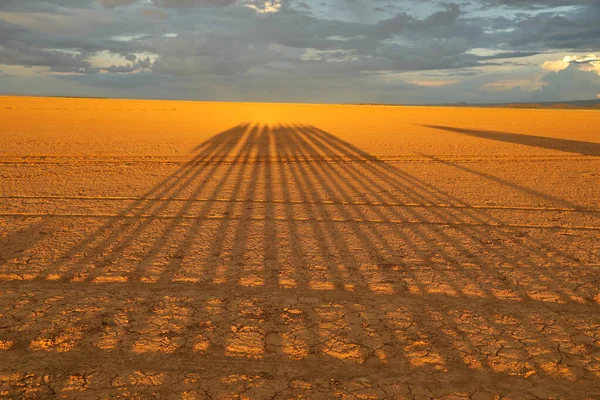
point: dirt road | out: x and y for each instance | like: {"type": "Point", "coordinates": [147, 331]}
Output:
{"type": "Point", "coordinates": [178, 250]}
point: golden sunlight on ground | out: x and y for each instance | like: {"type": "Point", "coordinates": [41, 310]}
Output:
{"type": "Point", "coordinates": [153, 249]}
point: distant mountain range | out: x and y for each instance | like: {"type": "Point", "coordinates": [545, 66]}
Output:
{"type": "Point", "coordinates": [576, 104]}
{"type": "Point", "coordinates": [583, 104]}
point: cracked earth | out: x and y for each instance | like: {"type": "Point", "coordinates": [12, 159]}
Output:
{"type": "Point", "coordinates": [177, 250]}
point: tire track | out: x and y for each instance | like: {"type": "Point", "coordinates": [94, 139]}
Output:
{"type": "Point", "coordinates": [282, 219]}
{"type": "Point", "coordinates": [78, 160]}
{"type": "Point", "coordinates": [275, 201]}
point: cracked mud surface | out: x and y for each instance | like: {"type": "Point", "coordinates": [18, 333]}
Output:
{"type": "Point", "coordinates": [217, 251]}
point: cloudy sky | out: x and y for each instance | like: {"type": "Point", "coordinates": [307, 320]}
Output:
{"type": "Point", "coordinates": [343, 51]}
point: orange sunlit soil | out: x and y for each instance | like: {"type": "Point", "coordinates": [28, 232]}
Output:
{"type": "Point", "coordinates": [155, 249]}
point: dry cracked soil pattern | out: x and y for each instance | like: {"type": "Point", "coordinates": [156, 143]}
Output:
{"type": "Point", "coordinates": [233, 251]}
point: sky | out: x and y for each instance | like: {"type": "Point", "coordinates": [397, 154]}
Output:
{"type": "Point", "coordinates": [315, 51]}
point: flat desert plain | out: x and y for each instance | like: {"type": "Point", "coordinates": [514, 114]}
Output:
{"type": "Point", "coordinates": [180, 250]}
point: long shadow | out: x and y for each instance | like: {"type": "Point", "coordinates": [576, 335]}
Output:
{"type": "Point", "coordinates": [566, 145]}
{"type": "Point", "coordinates": [470, 236]}
{"type": "Point", "coordinates": [301, 261]}
{"type": "Point", "coordinates": [360, 180]}
{"type": "Point", "coordinates": [429, 191]}
{"type": "Point", "coordinates": [303, 145]}
{"type": "Point", "coordinates": [215, 260]}
{"type": "Point", "coordinates": [108, 241]}
{"type": "Point", "coordinates": [322, 269]}
{"type": "Point", "coordinates": [359, 270]}
{"type": "Point", "coordinates": [467, 240]}
{"type": "Point", "coordinates": [15, 243]}
{"type": "Point", "coordinates": [366, 183]}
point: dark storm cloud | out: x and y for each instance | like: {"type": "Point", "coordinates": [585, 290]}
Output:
{"type": "Point", "coordinates": [114, 3]}
{"type": "Point", "coordinates": [403, 21]}
{"type": "Point", "coordinates": [43, 5]}
{"type": "Point", "coordinates": [535, 4]}
{"type": "Point", "coordinates": [577, 29]}
{"type": "Point", "coordinates": [20, 46]}
{"type": "Point", "coordinates": [169, 3]}
{"type": "Point", "coordinates": [304, 42]}
{"type": "Point", "coordinates": [56, 60]}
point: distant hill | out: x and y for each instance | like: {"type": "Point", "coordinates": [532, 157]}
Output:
{"type": "Point", "coordinates": [577, 104]}
{"type": "Point", "coordinates": [58, 96]}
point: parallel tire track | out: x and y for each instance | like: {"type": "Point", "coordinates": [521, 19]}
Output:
{"type": "Point", "coordinates": [325, 202]}
{"type": "Point", "coordinates": [282, 219]}
{"type": "Point", "coordinates": [408, 158]}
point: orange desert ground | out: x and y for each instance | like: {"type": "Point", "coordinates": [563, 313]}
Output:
{"type": "Point", "coordinates": [181, 250]}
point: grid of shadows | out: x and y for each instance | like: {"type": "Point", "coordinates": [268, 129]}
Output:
{"type": "Point", "coordinates": [307, 267]}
